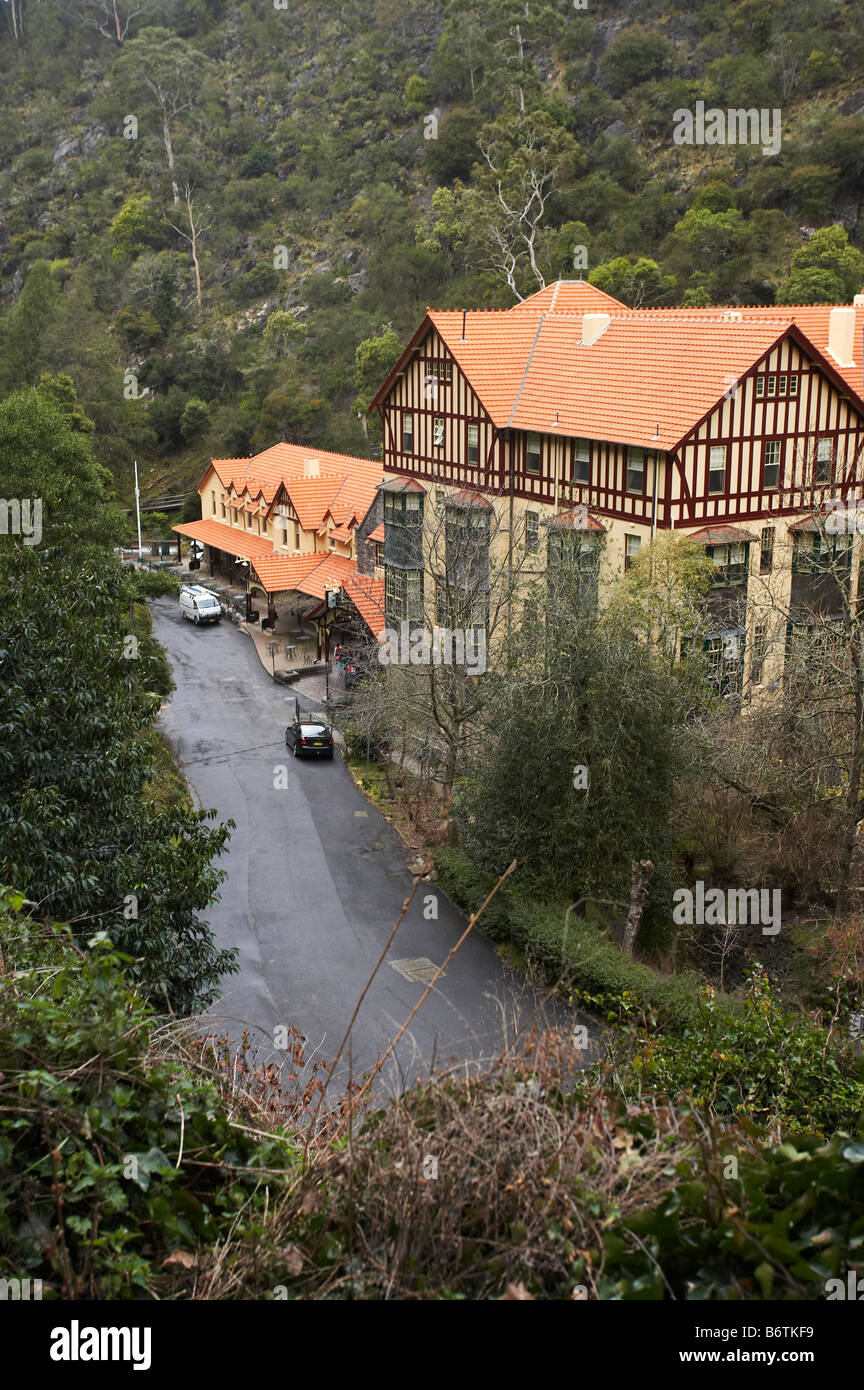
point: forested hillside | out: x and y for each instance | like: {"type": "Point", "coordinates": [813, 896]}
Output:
{"type": "Point", "coordinates": [221, 218]}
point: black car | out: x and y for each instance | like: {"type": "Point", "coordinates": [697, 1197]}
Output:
{"type": "Point", "coordinates": [309, 739]}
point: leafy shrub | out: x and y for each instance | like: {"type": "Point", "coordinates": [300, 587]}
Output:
{"type": "Point", "coordinates": [758, 1062]}
{"type": "Point", "coordinates": [116, 1148]}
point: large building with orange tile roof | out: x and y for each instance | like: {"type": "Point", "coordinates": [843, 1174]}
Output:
{"type": "Point", "coordinates": [733, 425]}
{"type": "Point", "coordinates": [294, 521]}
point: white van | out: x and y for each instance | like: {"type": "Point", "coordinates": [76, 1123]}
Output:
{"type": "Point", "coordinates": [198, 604]}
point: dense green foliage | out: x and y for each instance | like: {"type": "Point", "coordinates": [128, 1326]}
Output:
{"type": "Point", "coordinates": [572, 839]}
{"type": "Point", "coordinates": [99, 1109]}
{"type": "Point", "coordinates": [81, 681]}
{"type": "Point", "coordinates": [340, 162]}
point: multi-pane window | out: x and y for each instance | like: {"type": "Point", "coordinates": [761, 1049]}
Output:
{"type": "Point", "coordinates": [473, 443]}
{"type": "Point", "coordinates": [442, 371]}
{"type": "Point", "coordinates": [532, 532]}
{"type": "Point", "coordinates": [532, 453]}
{"type": "Point", "coordinates": [635, 470]}
{"type": "Point", "coordinates": [438, 432]}
{"type": "Point", "coordinates": [730, 563]}
{"type": "Point", "coordinates": [408, 433]}
{"type": "Point", "coordinates": [717, 468]}
{"type": "Point", "coordinates": [771, 463]}
{"type": "Point", "coordinates": [581, 461]}
{"type": "Point", "coordinates": [824, 461]}
{"type": "Point", "coordinates": [631, 549]}
{"type": "Point", "coordinates": [774, 386]}
{"type": "Point", "coordinates": [403, 593]}
{"type": "Point", "coordinates": [766, 550]}
{"type": "Point", "coordinates": [296, 536]}
{"type": "Point", "coordinates": [725, 661]}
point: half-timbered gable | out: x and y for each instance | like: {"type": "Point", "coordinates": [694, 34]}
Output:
{"type": "Point", "coordinates": [435, 425]}
{"type": "Point", "coordinates": [784, 438]}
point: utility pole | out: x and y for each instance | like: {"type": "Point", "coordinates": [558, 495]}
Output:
{"type": "Point", "coordinates": [138, 513]}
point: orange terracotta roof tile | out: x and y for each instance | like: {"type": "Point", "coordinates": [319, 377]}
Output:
{"type": "Point", "coordinates": [367, 595]}
{"type": "Point", "coordinates": [284, 573]}
{"type": "Point", "coordinates": [646, 380]}
{"type": "Point", "coordinates": [573, 296]}
{"type": "Point", "coordinates": [266, 472]}
{"type": "Point", "coordinates": [228, 538]}
{"type": "Point", "coordinates": [721, 535]}
{"type": "Point", "coordinates": [310, 574]}
{"type": "Point", "coordinates": [377, 535]}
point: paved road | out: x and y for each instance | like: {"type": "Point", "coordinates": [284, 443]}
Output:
{"type": "Point", "coordinates": [316, 879]}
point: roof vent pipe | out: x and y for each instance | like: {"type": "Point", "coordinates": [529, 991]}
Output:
{"type": "Point", "coordinates": [593, 327]}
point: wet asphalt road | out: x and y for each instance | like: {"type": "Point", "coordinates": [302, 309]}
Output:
{"type": "Point", "coordinates": [316, 880]}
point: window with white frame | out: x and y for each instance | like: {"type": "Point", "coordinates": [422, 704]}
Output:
{"type": "Point", "coordinates": [823, 461]}
{"type": "Point", "coordinates": [407, 432]}
{"type": "Point", "coordinates": [473, 443]}
{"type": "Point", "coordinates": [635, 470]}
{"type": "Point", "coordinates": [581, 461]}
{"type": "Point", "coordinates": [532, 453]}
{"type": "Point", "coordinates": [631, 549]}
{"type": "Point", "coordinates": [717, 468]}
{"type": "Point", "coordinates": [438, 432]}
{"type": "Point", "coordinates": [771, 451]}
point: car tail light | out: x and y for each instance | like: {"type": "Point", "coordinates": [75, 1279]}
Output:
{"type": "Point", "coordinates": [302, 740]}
{"type": "Point", "coordinates": [329, 740]}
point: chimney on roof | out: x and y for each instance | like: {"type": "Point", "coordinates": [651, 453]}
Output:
{"type": "Point", "coordinates": [593, 327]}
{"type": "Point", "coordinates": [859, 298]}
{"type": "Point", "coordinates": [311, 468]}
{"type": "Point", "coordinates": [841, 335]}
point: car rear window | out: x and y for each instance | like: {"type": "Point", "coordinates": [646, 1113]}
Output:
{"type": "Point", "coordinates": [313, 730]}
